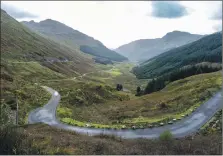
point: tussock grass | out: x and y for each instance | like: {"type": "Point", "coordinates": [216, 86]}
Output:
{"type": "Point", "coordinates": [42, 139]}
{"type": "Point", "coordinates": [180, 97]}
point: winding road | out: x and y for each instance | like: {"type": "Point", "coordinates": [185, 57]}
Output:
{"type": "Point", "coordinates": [187, 126]}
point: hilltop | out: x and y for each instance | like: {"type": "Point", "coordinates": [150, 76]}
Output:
{"type": "Point", "coordinates": [19, 43]}
{"type": "Point", "coordinates": [73, 38]}
{"type": "Point", "coordinates": [144, 49]}
{"type": "Point", "coordinates": [206, 49]}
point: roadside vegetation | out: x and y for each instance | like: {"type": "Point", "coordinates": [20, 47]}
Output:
{"type": "Point", "coordinates": [120, 109]}
{"type": "Point", "coordinates": [76, 96]}
{"type": "Point", "coordinates": [29, 96]}
{"type": "Point", "coordinates": [213, 126]}
{"type": "Point", "coordinates": [43, 139]}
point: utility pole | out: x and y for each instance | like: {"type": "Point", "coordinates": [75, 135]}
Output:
{"type": "Point", "coordinates": [17, 111]}
{"type": "Point", "coordinates": [16, 100]}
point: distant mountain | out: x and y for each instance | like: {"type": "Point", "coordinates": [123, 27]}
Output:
{"type": "Point", "coordinates": [73, 38]}
{"type": "Point", "coordinates": [19, 43]}
{"type": "Point", "coordinates": [144, 49]}
{"type": "Point", "coordinates": [206, 49]}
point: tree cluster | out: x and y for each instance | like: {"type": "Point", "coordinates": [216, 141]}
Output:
{"type": "Point", "coordinates": [160, 82]}
{"type": "Point", "coordinates": [207, 49]}
{"type": "Point", "coordinates": [119, 87]}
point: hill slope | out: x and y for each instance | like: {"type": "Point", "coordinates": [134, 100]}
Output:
{"type": "Point", "coordinates": [207, 49]}
{"type": "Point", "coordinates": [31, 56]}
{"type": "Point", "coordinates": [73, 38]}
{"type": "Point", "coordinates": [27, 59]}
{"type": "Point", "coordinates": [147, 48]}
{"type": "Point", "coordinates": [19, 43]}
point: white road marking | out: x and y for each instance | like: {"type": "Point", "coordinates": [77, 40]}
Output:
{"type": "Point", "coordinates": [56, 93]}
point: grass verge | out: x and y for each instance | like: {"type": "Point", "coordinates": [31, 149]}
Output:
{"type": "Point", "coordinates": [43, 139]}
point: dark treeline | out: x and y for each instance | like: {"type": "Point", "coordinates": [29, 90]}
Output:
{"type": "Point", "coordinates": [160, 82]}
{"type": "Point", "coordinates": [207, 49]}
{"type": "Point", "coordinates": [102, 52]}
{"type": "Point", "coordinates": [102, 60]}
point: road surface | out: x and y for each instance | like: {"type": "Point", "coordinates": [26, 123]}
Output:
{"type": "Point", "coordinates": [182, 128]}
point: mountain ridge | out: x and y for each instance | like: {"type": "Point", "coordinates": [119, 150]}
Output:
{"type": "Point", "coordinates": [206, 49]}
{"type": "Point", "coordinates": [19, 43]}
{"type": "Point", "coordinates": [144, 49]}
{"type": "Point", "coordinates": [73, 38]}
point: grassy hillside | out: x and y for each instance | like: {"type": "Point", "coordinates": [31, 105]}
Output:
{"type": "Point", "coordinates": [18, 42]}
{"type": "Point", "coordinates": [73, 38]}
{"type": "Point", "coordinates": [42, 139]}
{"type": "Point", "coordinates": [141, 110]}
{"type": "Point", "coordinates": [207, 49]}
{"type": "Point", "coordinates": [118, 73]}
{"type": "Point", "coordinates": [180, 73]}
{"type": "Point", "coordinates": [43, 56]}
{"type": "Point", "coordinates": [28, 58]}
{"type": "Point", "coordinates": [144, 49]}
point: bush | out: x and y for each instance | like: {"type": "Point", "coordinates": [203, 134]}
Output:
{"type": "Point", "coordinates": [64, 112]}
{"type": "Point", "coordinates": [12, 141]}
{"type": "Point", "coordinates": [98, 87]}
{"type": "Point", "coordinates": [5, 114]}
{"type": "Point", "coordinates": [166, 136]}
{"type": "Point", "coordinates": [139, 91]}
{"type": "Point", "coordinates": [119, 87]}
{"type": "Point", "coordinates": [162, 105]}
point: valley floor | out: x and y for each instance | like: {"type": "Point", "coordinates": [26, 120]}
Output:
{"type": "Point", "coordinates": [92, 98]}
{"type": "Point", "coordinates": [105, 106]}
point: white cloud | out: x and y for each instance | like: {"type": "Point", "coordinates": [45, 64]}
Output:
{"type": "Point", "coordinates": [168, 9]}
{"type": "Point", "coordinates": [17, 13]}
{"type": "Point", "coordinates": [218, 27]}
{"type": "Point", "coordinates": [118, 22]}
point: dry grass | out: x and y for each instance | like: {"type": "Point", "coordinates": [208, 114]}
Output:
{"type": "Point", "coordinates": [42, 139]}
{"type": "Point", "coordinates": [179, 97]}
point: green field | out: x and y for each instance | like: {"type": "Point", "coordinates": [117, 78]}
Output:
{"type": "Point", "coordinates": [93, 98]}
{"type": "Point", "coordinates": [115, 112]}
{"type": "Point", "coordinates": [119, 73]}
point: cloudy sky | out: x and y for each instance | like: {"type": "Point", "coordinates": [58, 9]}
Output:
{"type": "Point", "coordinates": [119, 22]}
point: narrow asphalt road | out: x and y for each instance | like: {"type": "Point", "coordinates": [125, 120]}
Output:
{"type": "Point", "coordinates": [182, 128]}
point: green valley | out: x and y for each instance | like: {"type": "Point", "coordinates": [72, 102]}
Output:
{"type": "Point", "coordinates": [126, 109]}
{"type": "Point", "coordinates": [64, 92]}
